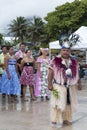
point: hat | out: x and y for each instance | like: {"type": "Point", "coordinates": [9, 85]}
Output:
{"type": "Point", "coordinates": [65, 45]}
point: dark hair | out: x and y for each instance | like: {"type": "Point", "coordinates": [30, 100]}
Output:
{"type": "Point", "coordinates": [8, 47]}
{"type": "Point", "coordinates": [3, 46]}
{"type": "Point", "coordinates": [40, 52]}
{"type": "Point", "coordinates": [22, 44]}
{"type": "Point", "coordinates": [27, 51]}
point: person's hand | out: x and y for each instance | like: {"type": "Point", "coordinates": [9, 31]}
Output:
{"type": "Point", "coordinates": [40, 75]}
{"type": "Point", "coordinates": [9, 77]}
{"type": "Point", "coordinates": [79, 87]}
{"type": "Point", "coordinates": [19, 65]}
{"type": "Point", "coordinates": [50, 87]}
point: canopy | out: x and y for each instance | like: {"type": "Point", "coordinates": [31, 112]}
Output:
{"type": "Point", "coordinates": [54, 45]}
{"type": "Point", "coordinates": [82, 32]}
{"type": "Point", "coordinates": [82, 44]}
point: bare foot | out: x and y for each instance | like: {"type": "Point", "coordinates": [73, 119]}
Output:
{"type": "Point", "coordinates": [67, 122]}
{"type": "Point", "coordinates": [33, 98]}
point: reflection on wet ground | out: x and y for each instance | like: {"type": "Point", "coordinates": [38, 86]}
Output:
{"type": "Point", "coordinates": [35, 115]}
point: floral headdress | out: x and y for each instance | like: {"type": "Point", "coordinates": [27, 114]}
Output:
{"type": "Point", "coordinates": [67, 41]}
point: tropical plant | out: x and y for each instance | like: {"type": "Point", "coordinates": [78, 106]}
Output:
{"type": "Point", "coordinates": [1, 39]}
{"type": "Point", "coordinates": [18, 28]}
{"type": "Point", "coordinates": [36, 30]}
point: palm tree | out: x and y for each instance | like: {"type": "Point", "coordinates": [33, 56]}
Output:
{"type": "Point", "coordinates": [1, 39]}
{"type": "Point", "coordinates": [18, 28]}
{"type": "Point", "coordinates": [35, 30]}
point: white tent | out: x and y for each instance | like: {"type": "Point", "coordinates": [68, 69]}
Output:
{"type": "Point", "coordinates": [54, 45]}
{"type": "Point", "coordinates": [82, 32]}
{"type": "Point", "coordinates": [82, 44]}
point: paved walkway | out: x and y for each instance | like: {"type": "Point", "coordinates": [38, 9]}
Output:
{"type": "Point", "coordinates": [35, 115]}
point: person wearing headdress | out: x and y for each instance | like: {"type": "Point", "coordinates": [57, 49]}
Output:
{"type": "Point", "coordinates": [41, 87]}
{"type": "Point", "coordinates": [62, 80]}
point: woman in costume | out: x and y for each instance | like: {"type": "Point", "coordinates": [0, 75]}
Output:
{"type": "Point", "coordinates": [27, 75]}
{"type": "Point", "coordinates": [41, 88]}
{"type": "Point", "coordinates": [10, 83]}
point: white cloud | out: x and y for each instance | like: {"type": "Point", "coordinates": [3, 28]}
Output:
{"type": "Point", "coordinates": [10, 9]}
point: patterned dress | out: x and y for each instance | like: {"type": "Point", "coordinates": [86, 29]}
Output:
{"type": "Point", "coordinates": [27, 76]}
{"type": "Point", "coordinates": [11, 86]}
{"type": "Point", "coordinates": [41, 88]}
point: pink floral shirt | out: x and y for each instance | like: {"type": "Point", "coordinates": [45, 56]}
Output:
{"type": "Point", "coordinates": [20, 54]}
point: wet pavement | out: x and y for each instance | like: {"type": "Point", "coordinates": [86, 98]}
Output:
{"type": "Point", "coordinates": [35, 115]}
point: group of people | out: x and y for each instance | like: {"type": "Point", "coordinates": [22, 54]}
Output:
{"type": "Point", "coordinates": [60, 73]}
{"type": "Point", "coordinates": [17, 72]}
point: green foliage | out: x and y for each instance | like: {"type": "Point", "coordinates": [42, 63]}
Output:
{"type": "Point", "coordinates": [1, 39]}
{"type": "Point", "coordinates": [55, 93]}
{"type": "Point", "coordinates": [28, 29]}
{"type": "Point", "coordinates": [18, 27]}
{"type": "Point", "coordinates": [66, 18]}
{"type": "Point", "coordinates": [35, 29]}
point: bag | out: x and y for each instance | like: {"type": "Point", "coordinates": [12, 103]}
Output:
{"type": "Point", "coordinates": [59, 101]}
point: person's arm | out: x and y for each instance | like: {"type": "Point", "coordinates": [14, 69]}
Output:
{"type": "Point", "coordinates": [38, 68]}
{"type": "Point", "coordinates": [16, 66]}
{"type": "Point", "coordinates": [34, 63]}
{"type": "Point", "coordinates": [1, 63]}
{"type": "Point", "coordinates": [79, 84]}
{"type": "Point", "coordinates": [22, 64]}
{"type": "Point", "coordinates": [50, 79]}
{"type": "Point", "coordinates": [79, 80]}
{"type": "Point", "coordinates": [6, 67]}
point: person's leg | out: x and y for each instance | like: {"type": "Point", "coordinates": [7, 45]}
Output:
{"type": "Point", "coordinates": [54, 115]}
{"type": "Point", "coordinates": [32, 92]}
{"type": "Point", "coordinates": [24, 92]}
{"type": "Point", "coordinates": [9, 98]}
{"type": "Point", "coordinates": [79, 84]}
{"type": "Point", "coordinates": [14, 98]}
{"type": "Point", "coordinates": [47, 98]}
{"type": "Point", "coordinates": [67, 115]}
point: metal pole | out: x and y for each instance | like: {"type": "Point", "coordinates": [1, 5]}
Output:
{"type": "Point", "coordinates": [86, 56]}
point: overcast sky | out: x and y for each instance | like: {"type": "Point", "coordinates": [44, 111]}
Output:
{"type": "Point", "coordinates": [10, 9]}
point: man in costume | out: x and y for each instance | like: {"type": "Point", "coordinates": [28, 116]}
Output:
{"type": "Point", "coordinates": [63, 73]}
